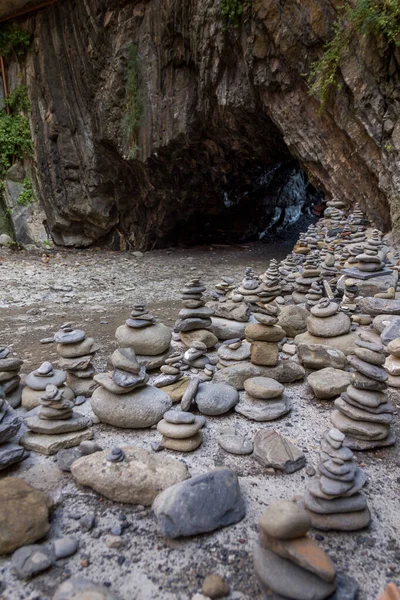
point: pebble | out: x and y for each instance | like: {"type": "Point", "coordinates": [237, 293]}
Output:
{"type": "Point", "coordinates": [215, 586]}
{"type": "Point", "coordinates": [87, 522]}
{"type": "Point", "coordinates": [28, 561]}
{"type": "Point", "coordinates": [65, 547]}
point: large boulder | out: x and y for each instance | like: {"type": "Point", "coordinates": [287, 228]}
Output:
{"type": "Point", "coordinates": [135, 480]}
{"type": "Point", "coordinates": [143, 407]}
{"type": "Point", "coordinates": [293, 319]}
{"type": "Point", "coordinates": [201, 504]}
{"type": "Point", "coordinates": [24, 514]}
{"type": "Point", "coordinates": [285, 371]}
{"type": "Point", "coordinates": [147, 340]}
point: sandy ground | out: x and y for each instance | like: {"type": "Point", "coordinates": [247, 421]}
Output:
{"type": "Point", "coordinates": [96, 290]}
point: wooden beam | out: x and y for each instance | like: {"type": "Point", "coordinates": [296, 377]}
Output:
{"type": "Point", "coordinates": [28, 10]}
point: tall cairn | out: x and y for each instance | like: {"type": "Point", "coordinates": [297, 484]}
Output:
{"type": "Point", "coordinates": [77, 352]}
{"type": "Point", "coordinates": [363, 413]}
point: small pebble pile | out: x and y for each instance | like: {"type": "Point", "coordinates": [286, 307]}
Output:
{"type": "Point", "coordinates": [264, 400]}
{"type": "Point", "coordinates": [288, 563]}
{"type": "Point", "coordinates": [37, 381]}
{"type": "Point", "coordinates": [334, 500]}
{"type": "Point", "coordinates": [232, 352]}
{"type": "Point", "coordinates": [264, 337]}
{"type": "Point", "coordinates": [194, 320]}
{"type": "Point", "coordinates": [181, 431]}
{"type": "Point", "coordinates": [327, 321]}
{"type": "Point", "coordinates": [77, 352]}
{"type": "Point", "coordinates": [363, 413]}
{"type": "Point", "coordinates": [10, 381]}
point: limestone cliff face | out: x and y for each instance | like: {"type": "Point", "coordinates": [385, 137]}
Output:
{"type": "Point", "coordinates": [218, 104]}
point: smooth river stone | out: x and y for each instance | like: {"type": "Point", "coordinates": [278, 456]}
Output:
{"type": "Point", "coordinates": [216, 398]}
{"type": "Point", "coordinates": [264, 333]}
{"type": "Point", "coordinates": [263, 388]}
{"type": "Point", "coordinates": [361, 415]}
{"type": "Point", "coordinates": [125, 359]}
{"type": "Point", "coordinates": [31, 398]}
{"type": "Point", "coordinates": [233, 442]}
{"type": "Point", "coordinates": [392, 366]}
{"type": "Point", "coordinates": [338, 324]}
{"type": "Point", "coordinates": [202, 312]}
{"type": "Point", "coordinates": [393, 347]}
{"type": "Point", "coordinates": [386, 407]}
{"type": "Point", "coordinates": [371, 371]}
{"type": "Point", "coordinates": [329, 383]}
{"type": "Point", "coordinates": [87, 346]}
{"type": "Point", "coordinates": [191, 324]}
{"type": "Point", "coordinates": [351, 521]}
{"type": "Point", "coordinates": [368, 398]}
{"type": "Point", "coordinates": [180, 431]}
{"type": "Point", "coordinates": [285, 520]}
{"type": "Point", "coordinates": [362, 382]}
{"type": "Point", "coordinates": [106, 381]}
{"type": "Point", "coordinates": [345, 343]}
{"type": "Point", "coordinates": [179, 417]}
{"type": "Point", "coordinates": [336, 505]}
{"type": "Point", "coordinates": [75, 364]}
{"type": "Point", "coordinates": [10, 364]}
{"type": "Point", "coordinates": [359, 482]}
{"type": "Point", "coordinates": [51, 444]}
{"type": "Point", "coordinates": [324, 312]}
{"type": "Point", "coordinates": [56, 426]}
{"type": "Point", "coordinates": [149, 341]}
{"type": "Point", "coordinates": [143, 407]}
{"type": "Point", "coordinates": [264, 410]}
{"type": "Point", "coordinates": [70, 337]}
{"type": "Point", "coordinates": [359, 429]}
{"type": "Point", "coordinates": [184, 444]}
{"type": "Point", "coordinates": [374, 358]}
{"type": "Point", "coordinates": [40, 383]}
{"type": "Point", "coordinates": [241, 353]}
{"type": "Point", "coordinates": [11, 454]}
{"type": "Point", "coordinates": [282, 576]}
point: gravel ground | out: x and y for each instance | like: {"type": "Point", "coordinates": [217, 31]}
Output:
{"type": "Point", "coordinates": [96, 289]}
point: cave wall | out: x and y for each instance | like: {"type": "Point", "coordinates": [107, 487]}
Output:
{"type": "Point", "coordinates": [216, 101]}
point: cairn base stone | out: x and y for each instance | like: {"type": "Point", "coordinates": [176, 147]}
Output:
{"type": "Point", "coordinates": [51, 444]}
{"type": "Point", "coordinates": [352, 521]}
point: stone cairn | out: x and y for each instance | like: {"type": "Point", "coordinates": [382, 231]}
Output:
{"type": "Point", "coordinates": [232, 352]}
{"type": "Point", "coordinates": [251, 287]}
{"type": "Point", "coordinates": [149, 339]}
{"type": "Point", "coordinates": [301, 246]}
{"type": "Point", "coordinates": [124, 399]}
{"type": "Point", "coordinates": [181, 431]}
{"type": "Point", "coordinates": [363, 413]}
{"type": "Point", "coordinates": [326, 321]}
{"type": "Point", "coordinates": [10, 452]}
{"type": "Point", "coordinates": [180, 365]}
{"type": "Point", "coordinates": [334, 499]}
{"type": "Point", "coordinates": [195, 317]}
{"type": "Point", "coordinates": [264, 400]}
{"type": "Point", "coordinates": [288, 563]}
{"type": "Point", "coordinates": [77, 352]}
{"type": "Point", "coordinates": [57, 418]}
{"type": "Point", "coordinates": [271, 282]}
{"type": "Point", "coordinates": [314, 295]}
{"type": "Point", "coordinates": [310, 274]}
{"type": "Point", "coordinates": [224, 288]}
{"type": "Point", "coordinates": [264, 337]}
{"type": "Point", "coordinates": [10, 381]}
{"type": "Point", "coordinates": [392, 363]}
{"type": "Point", "coordinates": [37, 381]}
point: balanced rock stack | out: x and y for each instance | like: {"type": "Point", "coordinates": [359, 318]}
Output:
{"type": "Point", "coordinates": [77, 352]}
{"type": "Point", "coordinates": [55, 418]}
{"type": "Point", "coordinates": [37, 381]}
{"type": "Point", "coordinates": [310, 274]}
{"type": "Point", "coordinates": [232, 352]}
{"type": "Point", "coordinates": [363, 413]}
{"type": "Point", "coordinates": [328, 268]}
{"type": "Point", "coordinates": [123, 398]}
{"type": "Point", "coordinates": [10, 452]}
{"type": "Point", "coordinates": [251, 287]}
{"type": "Point", "coordinates": [314, 295]}
{"type": "Point", "coordinates": [264, 400]}
{"type": "Point", "coordinates": [392, 363]}
{"type": "Point", "coordinates": [150, 340]}
{"type": "Point", "coordinates": [301, 246]}
{"type": "Point", "coordinates": [271, 282]}
{"type": "Point", "coordinates": [334, 500]}
{"type": "Point", "coordinates": [181, 431]}
{"type": "Point", "coordinates": [10, 381]}
{"type": "Point", "coordinates": [264, 337]}
{"type": "Point", "coordinates": [195, 318]}
{"type": "Point", "coordinates": [288, 563]}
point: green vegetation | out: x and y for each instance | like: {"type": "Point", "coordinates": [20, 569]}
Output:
{"type": "Point", "coordinates": [233, 10]}
{"type": "Point", "coordinates": [377, 17]}
{"type": "Point", "coordinates": [13, 39]}
{"type": "Point", "coordinates": [27, 196]}
{"type": "Point", "coordinates": [133, 108]}
{"type": "Point", "coordinates": [15, 136]}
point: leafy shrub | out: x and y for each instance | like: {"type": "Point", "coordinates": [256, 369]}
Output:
{"type": "Point", "coordinates": [27, 196]}
{"type": "Point", "coordinates": [13, 39]}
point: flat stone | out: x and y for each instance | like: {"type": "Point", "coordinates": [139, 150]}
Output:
{"type": "Point", "coordinates": [357, 414]}
{"type": "Point", "coordinates": [273, 450]}
{"type": "Point", "coordinates": [283, 577]}
{"type": "Point", "coordinates": [216, 399]}
{"type": "Point", "coordinates": [362, 382]}
{"type": "Point", "coordinates": [345, 343]}
{"type": "Point", "coordinates": [65, 546]}
{"type": "Point", "coordinates": [185, 444]}
{"type": "Point", "coordinates": [200, 504]}
{"type": "Point", "coordinates": [66, 457]}
{"type": "Point", "coordinates": [371, 371]}
{"type": "Point", "coordinates": [78, 588]}
{"type": "Point", "coordinates": [379, 306]}
{"type": "Point", "coordinates": [293, 319]}
{"type": "Point", "coordinates": [352, 521]}
{"type": "Point", "coordinates": [242, 353]}
{"type": "Point", "coordinates": [201, 312]}
{"type": "Point", "coordinates": [143, 407]}
{"type": "Point", "coordinates": [125, 359]}
{"type": "Point", "coordinates": [234, 443]}
{"type": "Point", "coordinates": [70, 337]}
{"type": "Point", "coordinates": [150, 341]}
{"type": "Point", "coordinates": [264, 354]}
{"type": "Point", "coordinates": [190, 393]}
{"type": "Point", "coordinates": [87, 346]}
{"type": "Point", "coordinates": [51, 444]}
{"type": "Point", "coordinates": [202, 335]}
{"type": "Point", "coordinates": [263, 388]}
{"type": "Point", "coordinates": [56, 426]}
{"type": "Point", "coordinates": [191, 324]}
{"type": "Point", "coordinates": [108, 383]}
{"type": "Point", "coordinates": [354, 503]}
{"type": "Point", "coordinates": [328, 383]}
{"type": "Point", "coordinates": [285, 520]}
{"type": "Point", "coordinates": [367, 398]}
{"type": "Point", "coordinates": [14, 398]}
{"type": "Point", "coordinates": [179, 417]}
{"type": "Point", "coordinates": [394, 347]}
{"type": "Point", "coordinates": [359, 429]}
{"type": "Point", "coordinates": [28, 561]}
{"type": "Point", "coordinates": [329, 327]}
{"type": "Point", "coordinates": [225, 329]}
{"type": "Point", "coordinates": [318, 356]}
{"type": "Point", "coordinates": [286, 371]}
{"type": "Point", "coordinates": [181, 430]}
{"type": "Point", "coordinates": [264, 410]}
{"type": "Point", "coordinates": [153, 362]}
{"type": "Point", "coordinates": [24, 515]}
{"type": "Point", "coordinates": [360, 445]}
{"type": "Point", "coordinates": [136, 480]}
{"type": "Point", "coordinates": [264, 333]}
{"type": "Point", "coordinates": [9, 425]}
{"type": "Point", "coordinates": [303, 552]}
{"type": "Point", "coordinates": [76, 364]}
{"type": "Point", "coordinates": [10, 454]}
{"type": "Point", "coordinates": [40, 383]}
{"type": "Point", "coordinates": [177, 389]}
{"type": "Point", "coordinates": [31, 398]}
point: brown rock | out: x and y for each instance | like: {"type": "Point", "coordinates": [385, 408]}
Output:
{"type": "Point", "coordinates": [264, 353]}
{"type": "Point", "coordinates": [215, 586]}
{"type": "Point", "coordinates": [264, 333]}
{"type": "Point", "coordinates": [24, 514]}
{"type": "Point", "coordinates": [392, 592]}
